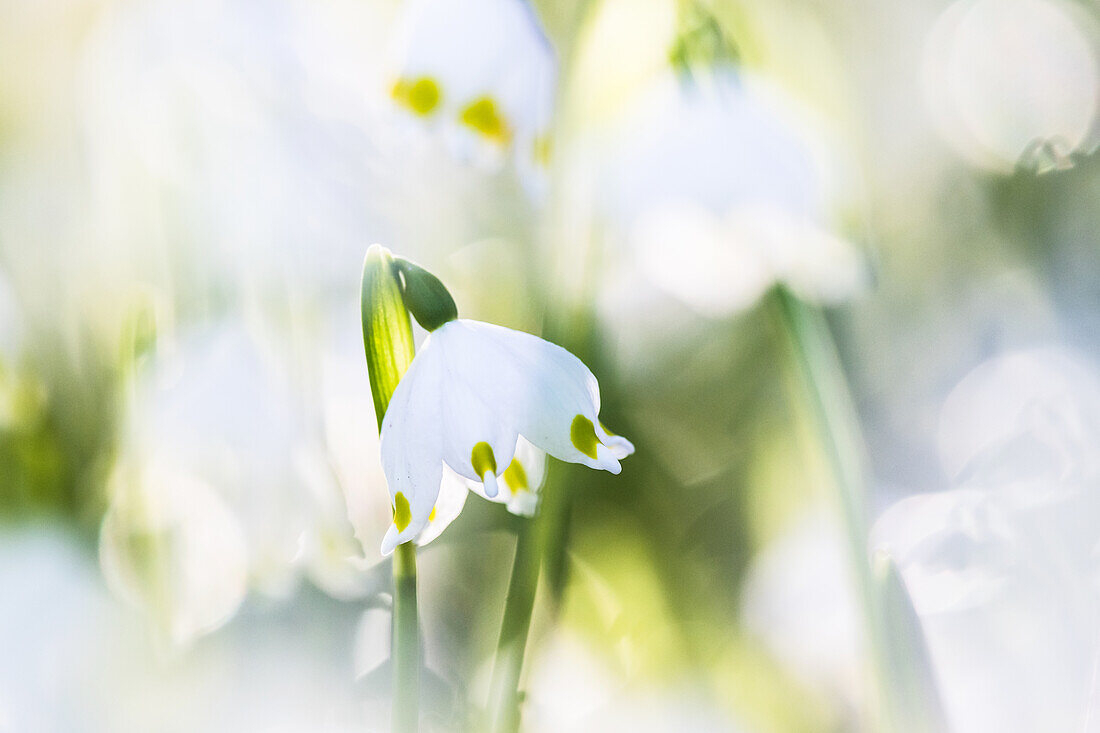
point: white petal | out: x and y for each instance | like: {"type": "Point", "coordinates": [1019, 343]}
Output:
{"type": "Point", "coordinates": [472, 408]}
{"type": "Point", "coordinates": [452, 497]}
{"type": "Point", "coordinates": [541, 389]}
{"type": "Point", "coordinates": [411, 443]}
{"type": "Point", "coordinates": [523, 500]}
{"type": "Point", "coordinates": [617, 445]}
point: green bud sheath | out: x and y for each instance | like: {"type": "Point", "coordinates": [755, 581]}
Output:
{"type": "Point", "coordinates": [388, 341]}
{"type": "Point", "coordinates": [387, 331]}
{"type": "Point", "coordinates": [425, 296]}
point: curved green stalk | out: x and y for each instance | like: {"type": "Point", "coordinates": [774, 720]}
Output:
{"type": "Point", "coordinates": [388, 341]}
{"type": "Point", "coordinates": [907, 697]}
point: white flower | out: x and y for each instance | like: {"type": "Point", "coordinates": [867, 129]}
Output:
{"type": "Point", "coordinates": [216, 420]}
{"type": "Point", "coordinates": [522, 480]}
{"type": "Point", "coordinates": [1003, 569]}
{"type": "Point", "coordinates": [470, 394]}
{"type": "Point", "coordinates": [171, 546]}
{"type": "Point", "coordinates": [480, 70]}
{"type": "Point", "coordinates": [728, 173]}
{"type": "Point", "coordinates": [1006, 78]}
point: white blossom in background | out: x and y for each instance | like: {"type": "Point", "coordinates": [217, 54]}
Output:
{"type": "Point", "coordinates": [235, 141]}
{"type": "Point", "coordinates": [214, 416]}
{"type": "Point", "coordinates": [801, 599]}
{"type": "Point", "coordinates": [571, 688]}
{"type": "Point", "coordinates": [471, 393]}
{"type": "Point", "coordinates": [170, 546]}
{"type": "Point", "coordinates": [722, 174]}
{"type": "Point", "coordinates": [73, 661]}
{"type": "Point", "coordinates": [1003, 570]}
{"type": "Point", "coordinates": [1007, 78]}
{"type": "Point", "coordinates": [480, 73]}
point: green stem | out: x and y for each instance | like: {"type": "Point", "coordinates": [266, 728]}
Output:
{"type": "Point", "coordinates": [821, 382]}
{"type": "Point", "coordinates": [908, 701]}
{"type": "Point", "coordinates": [504, 696]}
{"type": "Point", "coordinates": [406, 641]}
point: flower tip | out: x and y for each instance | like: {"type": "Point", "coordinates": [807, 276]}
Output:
{"type": "Point", "coordinates": [620, 447]}
{"type": "Point", "coordinates": [492, 487]}
{"type": "Point", "coordinates": [395, 537]}
{"type": "Point", "coordinates": [389, 542]}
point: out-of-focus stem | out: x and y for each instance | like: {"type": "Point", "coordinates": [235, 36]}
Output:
{"type": "Point", "coordinates": [824, 390]}
{"type": "Point", "coordinates": [406, 641]}
{"type": "Point", "coordinates": [908, 701]}
{"type": "Point", "coordinates": [504, 695]}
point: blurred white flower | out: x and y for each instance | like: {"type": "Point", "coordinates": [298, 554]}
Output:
{"type": "Point", "coordinates": [215, 414]}
{"type": "Point", "coordinates": [471, 392]}
{"type": "Point", "coordinates": [1024, 414]}
{"type": "Point", "coordinates": [721, 175]}
{"type": "Point", "coordinates": [73, 662]}
{"type": "Point", "coordinates": [233, 141]}
{"type": "Point", "coordinates": [170, 546]}
{"type": "Point", "coordinates": [801, 599]}
{"type": "Point", "coordinates": [572, 689]}
{"type": "Point", "coordinates": [351, 431]}
{"type": "Point", "coordinates": [1003, 570]}
{"type": "Point", "coordinates": [482, 73]}
{"type": "Point", "coordinates": [1007, 79]}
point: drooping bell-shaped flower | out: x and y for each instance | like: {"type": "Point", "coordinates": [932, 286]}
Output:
{"type": "Point", "coordinates": [472, 393]}
{"type": "Point", "coordinates": [478, 407]}
{"type": "Point", "coordinates": [482, 73]}
{"type": "Point", "coordinates": [730, 168]}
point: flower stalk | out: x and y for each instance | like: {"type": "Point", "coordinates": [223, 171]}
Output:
{"type": "Point", "coordinates": [504, 695]}
{"type": "Point", "coordinates": [907, 699]}
{"type": "Point", "coordinates": [388, 342]}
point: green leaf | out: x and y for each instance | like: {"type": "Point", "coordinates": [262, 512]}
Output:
{"type": "Point", "coordinates": [387, 330]}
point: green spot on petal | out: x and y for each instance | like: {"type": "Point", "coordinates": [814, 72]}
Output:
{"type": "Point", "coordinates": [402, 514]}
{"type": "Point", "coordinates": [420, 96]}
{"type": "Point", "coordinates": [515, 478]}
{"type": "Point", "coordinates": [583, 435]}
{"type": "Point", "coordinates": [483, 460]}
{"type": "Point", "coordinates": [482, 116]}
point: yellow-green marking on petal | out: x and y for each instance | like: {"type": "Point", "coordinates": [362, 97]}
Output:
{"type": "Point", "coordinates": [482, 116]}
{"type": "Point", "coordinates": [402, 514]}
{"type": "Point", "coordinates": [583, 435]}
{"type": "Point", "coordinates": [420, 96]}
{"type": "Point", "coordinates": [483, 460]}
{"type": "Point", "coordinates": [431, 515]}
{"type": "Point", "coordinates": [540, 150]}
{"type": "Point", "coordinates": [515, 478]}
